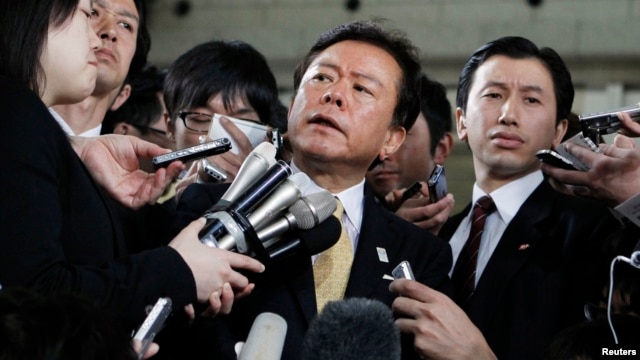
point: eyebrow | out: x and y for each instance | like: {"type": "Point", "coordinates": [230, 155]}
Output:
{"type": "Point", "coordinates": [533, 88]}
{"type": "Point", "coordinates": [119, 11]}
{"type": "Point", "coordinates": [356, 73]}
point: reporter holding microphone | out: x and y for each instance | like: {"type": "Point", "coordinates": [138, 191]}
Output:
{"type": "Point", "coordinates": [58, 231]}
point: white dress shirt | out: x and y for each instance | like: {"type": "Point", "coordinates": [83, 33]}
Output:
{"type": "Point", "coordinates": [352, 200]}
{"type": "Point", "coordinates": [508, 199]}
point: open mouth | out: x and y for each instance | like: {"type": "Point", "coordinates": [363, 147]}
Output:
{"type": "Point", "coordinates": [323, 121]}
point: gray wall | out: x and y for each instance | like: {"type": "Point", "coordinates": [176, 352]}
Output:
{"type": "Point", "coordinates": [599, 39]}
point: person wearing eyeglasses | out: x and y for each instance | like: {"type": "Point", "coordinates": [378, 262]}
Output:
{"type": "Point", "coordinates": [230, 78]}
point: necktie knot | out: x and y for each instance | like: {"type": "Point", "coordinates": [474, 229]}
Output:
{"type": "Point", "coordinates": [486, 204]}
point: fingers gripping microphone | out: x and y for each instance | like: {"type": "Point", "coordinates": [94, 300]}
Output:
{"type": "Point", "coordinates": [266, 338]}
{"type": "Point", "coordinates": [281, 198]}
{"type": "Point", "coordinates": [353, 329]}
{"type": "Point", "coordinates": [232, 219]}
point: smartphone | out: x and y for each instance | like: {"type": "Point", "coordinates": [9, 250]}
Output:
{"type": "Point", "coordinates": [152, 324]}
{"type": "Point", "coordinates": [403, 271]}
{"type": "Point", "coordinates": [214, 172]}
{"type": "Point", "coordinates": [255, 131]}
{"type": "Point", "coordinates": [412, 190]}
{"type": "Point", "coordinates": [554, 159]}
{"type": "Point", "coordinates": [199, 151]}
{"type": "Point", "coordinates": [437, 184]}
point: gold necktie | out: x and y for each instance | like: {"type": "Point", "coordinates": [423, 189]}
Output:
{"type": "Point", "coordinates": [332, 267]}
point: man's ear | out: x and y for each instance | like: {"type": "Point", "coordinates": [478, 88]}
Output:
{"type": "Point", "coordinates": [171, 127]}
{"type": "Point", "coordinates": [395, 138]}
{"type": "Point", "coordinates": [443, 149]}
{"type": "Point", "coordinates": [461, 124]}
{"type": "Point", "coordinates": [561, 129]}
{"type": "Point", "coordinates": [122, 97]}
{"type": "Point", "coordinates": [121, 128]}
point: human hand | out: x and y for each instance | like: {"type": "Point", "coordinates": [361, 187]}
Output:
{"type": "Point", "coordinates": [151, 350]}
{"type": "Point", "coordinates": [419, 209]}
{"type": "Point", "coordinates": [441, 329]}
{"type": "Point", "coordinates": [629, 127]}
{"type": "Point", "coordinates": [613, 175]}
{"type": "Point", "coordinates": [230, 161]}
{"type": "Point", "coordinates": [214, 270]}
{"type": "Point", "coordinates": [112, 161]}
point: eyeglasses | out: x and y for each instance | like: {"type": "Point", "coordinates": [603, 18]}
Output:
{"type": "Point", "coordinates": [151, 129]}
{"type": "Point", "coordinates": [195, 121]}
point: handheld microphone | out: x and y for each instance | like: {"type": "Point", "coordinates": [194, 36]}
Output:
{"type": "Point", "coordinates": [353, 329]}
{"type": "Point", "coordinates": [304, 214]}
{"type": "Point", "coordinates": [254, 166]}
{"type": "Point", "coordinates": [232, 218]}
{"type": "Point", "coordinates": [266, 338]}
{"type": "Point", "coordinates": [308, 242]}
{"type": "Point", "coordinates": [281, 198]}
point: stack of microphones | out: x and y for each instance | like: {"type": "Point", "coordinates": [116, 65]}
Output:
{"type": "Point", "coordinates": [264, 214]}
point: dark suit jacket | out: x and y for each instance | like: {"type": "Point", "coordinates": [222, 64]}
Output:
{"type": "Point", "coordinates": [547, 264]}
{"type": "Point", "coordinates": [287, 286]}
{"type": "Point", "coordinates": [59, 232]}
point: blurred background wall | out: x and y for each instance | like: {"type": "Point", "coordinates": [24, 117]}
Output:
{"type": "Point", "coordinates": [599, 40]}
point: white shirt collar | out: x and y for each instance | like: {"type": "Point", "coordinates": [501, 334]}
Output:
{"type": "Point", "coordinates": [67, 129]}
{"type": "Point", "coordinates": [352, 199]}
{"type": "Point", "coordinates": [510, 197]}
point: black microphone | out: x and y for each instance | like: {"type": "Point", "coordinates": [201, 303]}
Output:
{"type": "Point", "coordinates": [308, 242]}
{"type": "Point", "coordinates": [266, 338]}
{"type": "Point", "coordinates": [232, 219]}
{"type": "Point", "coordinates": [353, 329]}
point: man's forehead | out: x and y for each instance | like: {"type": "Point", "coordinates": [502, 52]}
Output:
{"type": "Point", "coordinates": [121, 7]}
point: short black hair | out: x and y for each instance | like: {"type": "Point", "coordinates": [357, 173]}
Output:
{"type": "Point", "coordinates": [24, 26]}
{"type": "Point", "coordinates": [436, 109]}
{"type": "Point", "coordinates": [517, 47]}
{"type": "Point", "coordinates": [143, 40]}
{"type": "Point", "coordinates": [230, 68]}
{"type": "Point", "coordinates": [143, 106]}
{"type": "Point", "coordinates": [395, 42]}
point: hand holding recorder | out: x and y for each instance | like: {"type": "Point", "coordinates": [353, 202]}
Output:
{"type": "Point", "coordinates": [426, 204]}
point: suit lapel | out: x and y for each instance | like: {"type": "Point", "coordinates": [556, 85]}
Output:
{"type": "Point", "coordinates": [516, 245]}
{"type": "Point", "coordinates": [300, 282]}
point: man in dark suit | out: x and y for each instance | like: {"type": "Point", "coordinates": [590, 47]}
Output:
{"type": "Point", "coordinates": [355, 96]}
{"type": "Point", "coordinates": [537, 262]}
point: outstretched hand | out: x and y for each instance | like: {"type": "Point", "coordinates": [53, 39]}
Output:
{"type": "Point", "coordinates": [441, 329]}
{"type": "Point", "coordinates": [112, 161]}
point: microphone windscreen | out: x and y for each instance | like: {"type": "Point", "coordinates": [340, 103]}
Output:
{"type": "Point", "coordinates": [353, 329]}
{"type": "Point", "coordinates": [313, 209]}
{"type": "Point", "coordinates": [321, 237]}
{"type": "Point", "coordinates": [266, 338]}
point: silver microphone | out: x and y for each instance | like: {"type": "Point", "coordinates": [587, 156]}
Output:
{"type": "Point", "coordinates": [304, 214]}
{"type": "Point", "coordinates": [266, 338]}
{"type": "Point", "coordinates": [254, 166]}
{"type": "Point", "coordinates": [280, 199]}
